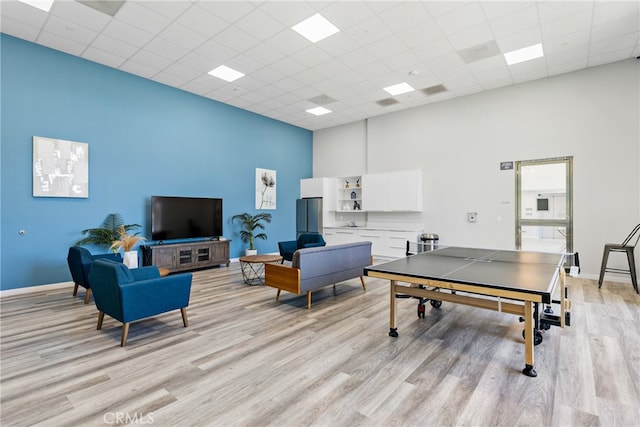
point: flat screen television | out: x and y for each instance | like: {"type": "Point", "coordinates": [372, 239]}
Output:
{"type": "Point", "coordinates": [185, 217]}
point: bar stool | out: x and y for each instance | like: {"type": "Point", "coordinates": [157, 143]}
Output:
{"type": "Point", "coordinates": [624, 247]}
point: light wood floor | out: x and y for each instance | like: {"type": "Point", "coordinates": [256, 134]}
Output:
{"type": "Point", "coordinates": [247, 360]}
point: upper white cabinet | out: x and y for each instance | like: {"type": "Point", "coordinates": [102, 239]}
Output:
{"type": "Point", "coordinates": [312, 187]}
{"type": "Point", "coordinates": [393, 191]}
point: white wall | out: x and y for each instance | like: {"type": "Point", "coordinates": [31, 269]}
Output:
{"type": "Point", "coordinates": [591, 114]}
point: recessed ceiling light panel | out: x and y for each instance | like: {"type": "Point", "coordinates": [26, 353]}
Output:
{"type": "Point", "coordinates": [40, 4]}
{"type": "Point", "coordinates": [399, 89]}
{"type": "Point", "coordinates": [318, 111]}
{"type": "Point", "coordinates": [315, 28]}
{"type": "Point", "coordinates": [225, 73]}
{"type": "Point", "coordinates": [525, 54]}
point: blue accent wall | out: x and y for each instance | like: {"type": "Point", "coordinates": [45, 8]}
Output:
{"type": "Point", "coordinates": [144, 139]}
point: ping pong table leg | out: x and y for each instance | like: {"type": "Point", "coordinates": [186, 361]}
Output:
{"type": "Point", "coordinates": [393, 331]}
{"type": "Point", "coordinates": [528, 340]}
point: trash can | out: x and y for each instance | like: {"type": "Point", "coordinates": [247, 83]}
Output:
{"type": "Point", "coordinates": [428, 242]}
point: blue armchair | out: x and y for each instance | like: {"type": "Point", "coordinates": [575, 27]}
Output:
{"type": "Point", "coordinates": [305, 240]}
{"type": "Point", "coordinates": [130, 295]}
{"type": "Point", "coordinates": [79, 260]}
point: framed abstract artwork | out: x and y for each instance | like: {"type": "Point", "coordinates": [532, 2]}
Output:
{"type": "Point", "coordinates": [265, 189]}
{"type": "Point", "coordinates": [60, 168]}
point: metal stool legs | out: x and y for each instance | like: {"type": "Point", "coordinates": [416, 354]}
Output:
{"type": "Point", "coordinates": [630, 259]}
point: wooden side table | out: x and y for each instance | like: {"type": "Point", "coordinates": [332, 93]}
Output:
{"type": "Point", "coordinates": [253, 267]}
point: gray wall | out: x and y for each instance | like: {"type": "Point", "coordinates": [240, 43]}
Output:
{"type": "Point", "coordinates": [592, 115]}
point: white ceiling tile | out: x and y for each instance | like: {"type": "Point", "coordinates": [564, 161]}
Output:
{"type": "Point", "coordinates": [288, 13]}
{"type": "Point", "coordinates": [264, 53]}
{"type": "Point", "coordinates": [114, 46]}
{"type": "Point", "coordinates": [331, 67]}
{"type": "Point", "coordinates": [494, 83]}
{"type": "Point", "coordinates": [288, 42]}
{"type": "Point", "coordinates": [564, 56]}
{"type": "Point", "coordinates": [196, 88]}
{"type": "Point", "coordinates": [421, 34]}
{"type": "Point", "coordinates": [519, 40]}
{"type": "Point", "coordinates": [403, 61]}
{"type": "Point", "coordinates": [497, 9]}
{"type": "Point", "coordinates": [439, 8]}
{"type": "Point", "coordinates": [311, 56]}
{"type": "Point", "coordinates": [488, 65]}
{"type": "Point", "coordinates": [369, 31]}
{"type": "Point", "coordinates": [102, 57]}
{"type": "Point", "coordinates": [461, 18]}
{"type": "Point", "coordinates": [168, 9]}
{"type": "Point", "coordinates": [244, 64]}
{"type": "Point", "coordinates": [570, 41]}
{"type": "Point", "coordinates": [615, 10]}
{"type": "Point", "coordinates": [309, 77]}
{"type": "Point", "coordinates": [338, 44]}
{"type": "Point", "coordinates": [357, 58]}
{"type": "Point", "coordinates": [346, 14]}
{"type": "Point", "coordinates": [201, 20]}
{"type": "Point", "coordinates": [151, 60]}
{"type": "Point", "coordinates": [182, 36]}
{"type": "Point", "coordinates": [567, 25]}
{"type": "Point", "coordinates": [259, 24]}
{"type": "Point", "coordinates": [230, 11]}
{"type": "Point", "coordinates": [236, 39]}
{"type": "Point", "coordinates": [615, 44]}
{"type": "Point", "coordinates": [609, 57]}
{"type": "Point", "coordinates": [133, 13]}
{"type": "Point", "coordinates": [472, 37]}
{"type": "Point", "coordinates": [523, 19]}
{"type": "Point", "coordinates": [69, 30]}
{"type": "Point", "coordinates": [385, 47]}
{"type": "Point", "coordinates": [127, 33]}
{"type": "Point", "coordinates": [404, 15]}
{"type": "Point", "coordinates": [288, 66]}
{"type": "Point", "coordinates": [166, 49]}
{"type": "Point", "coordinates": [215, 52]}
{"type": "Point", "coordinates": [80, 14]}
{"type": "Point", "coordinates": [180, 70]}
{"type": "Point", "coordinates": [554, 10]}
{"type": "Point", "coordinates": [198, 62]}
{"type": "Point", "coordinates": [63, 44]}
{"type": "Point", "coordinates": [434, 49]}
{"type": "Point", "coordinates": [615, 28]}
{"type": "Point", "coordinates": [24, 13]}
{"type": "Point", "coordinates": [139, 69]}
{"type": "Point", "coordinates": [567, 67]}
{"type": "Point", "coordinates": [19, 29]}
{"type": "Point", "coordinates": [169, 79]}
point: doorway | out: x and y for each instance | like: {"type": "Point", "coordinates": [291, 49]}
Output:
{"type": "Point", "coordinates": [544, 205]}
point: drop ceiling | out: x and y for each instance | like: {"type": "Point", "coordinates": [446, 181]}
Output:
{"type": "Point", "coordinates": [443, 49]}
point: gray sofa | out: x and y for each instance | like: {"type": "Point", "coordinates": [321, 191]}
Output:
{"type": "Point", "coordinates": [313, 268]}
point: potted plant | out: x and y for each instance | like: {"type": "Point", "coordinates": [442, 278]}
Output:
{"type": "Point", "coordinates": [126, 242]}
{"type": "Point", "coordinates": [106, 234]}
{"type": "Point", "coordinates": [250, 225]}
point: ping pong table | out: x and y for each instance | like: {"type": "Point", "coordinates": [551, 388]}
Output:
{"type": "Point", "coordinates": [514, 282]}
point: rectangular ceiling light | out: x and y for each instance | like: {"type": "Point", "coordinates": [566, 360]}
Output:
{"type": "Point", "coordinates": [225, 73]}
{"type": "Point", "coordinates": [399, 89]}
{"type": "Point", "coordinates": [524, 54]}
{"type": "Point", "coordinates": [318, 111]}
{"type": "Point", "coordinates": [40, 4]}
{"type": "Point", "coordinates": [315, 28]}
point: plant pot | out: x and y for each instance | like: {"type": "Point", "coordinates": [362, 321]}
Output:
{"type": "Point", "coordinates": [131, 259]}
{"type": "Point", "coordinates": [251, 252]}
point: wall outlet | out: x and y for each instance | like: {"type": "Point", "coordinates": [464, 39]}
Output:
{"type": "Point", "coordinates": [472, 216]}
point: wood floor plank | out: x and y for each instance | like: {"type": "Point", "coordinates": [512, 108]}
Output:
{"type": "Point", "coordinates": [249, 360]}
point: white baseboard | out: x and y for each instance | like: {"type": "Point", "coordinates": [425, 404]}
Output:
{"type": "Point", "coordinates": [39, 288]}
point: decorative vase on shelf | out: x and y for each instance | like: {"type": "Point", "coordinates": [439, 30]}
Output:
{"type": "Point", "coordinates": [131, 259]}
